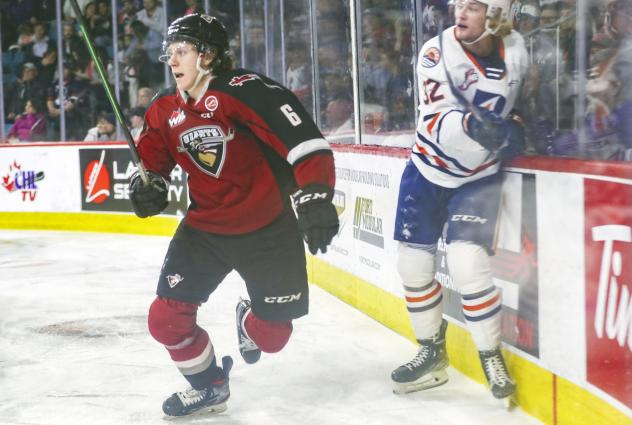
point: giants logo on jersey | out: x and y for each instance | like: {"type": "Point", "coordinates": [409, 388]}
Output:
{"type": "Point", "coordinates": [206, 146]}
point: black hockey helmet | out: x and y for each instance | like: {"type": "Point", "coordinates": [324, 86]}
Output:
{"type": "Point", "coordinates": [204, 31]}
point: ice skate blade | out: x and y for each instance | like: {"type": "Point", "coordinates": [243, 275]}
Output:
{"type": "Point", "coordinates": [431, 380]}
{"type": "Point", "coordinates": [210, 410]}
{"type": "Point", "coordinates": [509, 402]}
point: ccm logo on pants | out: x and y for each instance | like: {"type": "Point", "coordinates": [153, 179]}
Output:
{"type": "Point", "coordinates": [283, 299]}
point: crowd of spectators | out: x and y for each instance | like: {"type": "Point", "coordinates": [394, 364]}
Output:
{"type": "Point", "coordinates": [387, 54]}
{"type": "Point", "coordinates": [30, 62]}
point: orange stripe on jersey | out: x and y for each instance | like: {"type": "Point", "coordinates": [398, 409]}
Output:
{"type": "Point", "coordinates": [501, 51]}
{"type": "Point", "coordinates": [438, 160]}
{"type": "Point", "coordinates": [432, 123]}
{"type": "Point", "coordinates": [482, 305]}
{"type": "Point", "coordinates": [425, 297]}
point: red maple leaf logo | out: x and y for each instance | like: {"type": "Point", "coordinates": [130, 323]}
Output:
{"type": "Point", "coordinates": [7, 183]}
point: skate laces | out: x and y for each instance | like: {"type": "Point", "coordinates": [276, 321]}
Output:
{"type": "Point", "coordinates": [496, 370]}
{"type": "Point", "coordinates": [419, 359]}
{"type": "Point", "coordinates": [191, 396]}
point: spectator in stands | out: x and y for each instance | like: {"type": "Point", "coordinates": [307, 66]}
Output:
{"type": "Point", "coordinates": [607, 126]}
{"type": "Point", "coordinates": [69, 12]}
{"type": "Point", "coordinates": [98, 100]}
{"type": "Point", "coordinates": [104, 129]}
{"type": "Point", "coordinates": [73, 104]}
{"type": "Point", "coordinates": [99, 19]}
{"type": "Point", "coordinates": [23, 89]}
{"type": "Point", "coordinates": [41, 42]}
{"type": "Point", "coordinates": [47, 67]}
{"type": "Point", "coordinates": [527, 17]}
{"type": "Point", "coordinates": [374, 118]}
{"type": "Point", "coordinates": [30, 125]}
{"type": "Point", "coordinates": [126, 16]}
{"type": "Point", "coordinates": [549, 14]}
{"type": "Point", "coordinates": [25, 36]}
{"type": "Point", "coordinates": [74, 48]}
{"type": "Point", "coordinates": [136, 118]}
{"type": "Point", "coordinates": [143, 52]}
{"type": "Point", "coordinates": [619, 20]}
{"type": "Point", "coordinates": [376, 71]}
{"type": "Point", "coordinates": [339, 117]}
{"type": "Point", "coordinates": [152, 15]}
{"type": "Point", "coordinates": [144, 97]}
{"type": "Point", "coordinates": [298, 76]}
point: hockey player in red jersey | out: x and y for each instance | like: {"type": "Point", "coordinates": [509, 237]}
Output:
{"type": "Point", "coordinates": [248, 147]}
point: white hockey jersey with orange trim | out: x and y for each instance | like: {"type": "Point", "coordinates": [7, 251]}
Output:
{"type": "Point", "coordinates": [443, 153]}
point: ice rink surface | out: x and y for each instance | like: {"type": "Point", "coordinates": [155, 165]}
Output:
{"type": "Point", "coordinates": [74, 349]}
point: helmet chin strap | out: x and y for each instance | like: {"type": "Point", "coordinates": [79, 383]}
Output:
{"type": "Point", "coordinates": [479, 38]}
{"type": "Point", "coordinates": [201, 76]}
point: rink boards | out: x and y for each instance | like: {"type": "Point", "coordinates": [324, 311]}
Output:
{"type": "Point", "coordinates": [563, 258]}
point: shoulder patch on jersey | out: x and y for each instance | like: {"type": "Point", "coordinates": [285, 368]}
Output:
{"type": "Point", "coordinates": [211, 103]}
{"type": "Point", "coordinates": [239, 80]}
{"type": "Point", "coordinates": [431, 57]}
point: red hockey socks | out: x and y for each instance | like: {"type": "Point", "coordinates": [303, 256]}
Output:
{"type": "Point", "coordinates": [269, 336]}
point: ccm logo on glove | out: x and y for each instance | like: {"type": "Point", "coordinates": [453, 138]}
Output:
{"type": "Point", "coordinates": [317, 216]}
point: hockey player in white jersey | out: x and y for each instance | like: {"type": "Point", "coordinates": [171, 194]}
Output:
{"type": "Point", "coordinates": [466, 128]}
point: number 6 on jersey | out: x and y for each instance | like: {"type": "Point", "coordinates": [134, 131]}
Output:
{"type": "Point", "coordinates": [292, 116]}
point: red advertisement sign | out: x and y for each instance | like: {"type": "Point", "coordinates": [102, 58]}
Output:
{"type": "Point", "coordinates": [608, 242]}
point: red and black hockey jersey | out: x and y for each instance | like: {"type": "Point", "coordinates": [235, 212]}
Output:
{"type": "Point", "coordinates": [246, 144]}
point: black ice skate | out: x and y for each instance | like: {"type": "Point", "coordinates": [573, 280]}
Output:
{"type": "Point", "coordinates": [247, 348]}
{"type": "Point", "coordinates": [500, 382]}
{"type": "Point", "coordinates": [427, 369]}
{"type": "Point", "coordinates": [209, 400]}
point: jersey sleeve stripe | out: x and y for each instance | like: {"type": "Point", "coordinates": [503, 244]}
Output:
{"type": "Point", "coordinates": [307, 147]}
{"type": "Point", "coordinates": [432, 123]}
{"type": "Point", "coordinates": [437, 151]}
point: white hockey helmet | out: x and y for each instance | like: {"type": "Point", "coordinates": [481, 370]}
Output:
{"type": "Point", "coordinates": [497, 21]}
{"type": "Point", "coordinates": [497, 14]}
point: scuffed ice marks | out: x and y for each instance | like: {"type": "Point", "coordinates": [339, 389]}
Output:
{"type": "Point", "coordinates": [100, 327]}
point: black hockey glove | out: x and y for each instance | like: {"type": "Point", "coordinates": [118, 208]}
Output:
{"type": "Point", "coordinates": [148, 200]}
{"type": "Point", "coordinates": [496, 133]}
{"type": "Point", "coordinates": [317, 216]}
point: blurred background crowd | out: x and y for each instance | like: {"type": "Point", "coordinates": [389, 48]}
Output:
{"type": "Point", "coordinates": [576, 100]}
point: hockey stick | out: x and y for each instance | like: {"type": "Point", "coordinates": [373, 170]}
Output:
{"type": "Point", "coordinates": [108, 91]}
